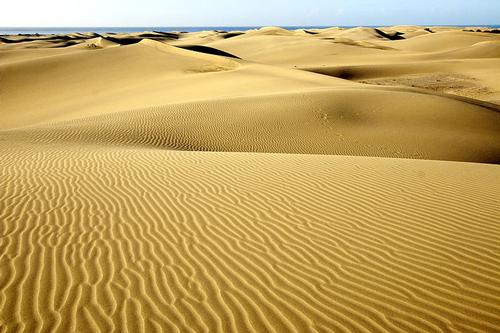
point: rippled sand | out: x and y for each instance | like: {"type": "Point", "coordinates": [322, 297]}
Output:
{"type": "Point", "coordinates": [263, 181]}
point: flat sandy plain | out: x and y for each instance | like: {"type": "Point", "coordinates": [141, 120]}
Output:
{"type": "Point", "coordinates": [334, 180]}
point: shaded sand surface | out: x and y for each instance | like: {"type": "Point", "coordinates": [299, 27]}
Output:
{"type": "Point", "coordinates": [326, 180]}
{"type": "Point", "coordinates": [445, 83]}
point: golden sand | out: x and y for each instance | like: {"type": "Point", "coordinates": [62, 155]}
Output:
{"type": "Point", "coordinates": [264, 181]}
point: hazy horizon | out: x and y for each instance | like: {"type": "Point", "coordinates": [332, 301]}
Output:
{"type": "Point", "coordinates": [249, 26]}
{"type": "Point", "coordinates": [193, 13]}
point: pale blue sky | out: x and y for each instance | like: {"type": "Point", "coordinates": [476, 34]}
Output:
{"type": "Point", "coordinates": [55, 13]}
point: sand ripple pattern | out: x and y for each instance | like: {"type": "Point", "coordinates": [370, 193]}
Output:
{"type": "Point", "coordinates": [135, 240]}
{"type": "Point", "coordinates": [331, 121]}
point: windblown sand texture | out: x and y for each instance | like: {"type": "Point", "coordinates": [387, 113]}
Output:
{"type": "Point", "coordinates": [327, 180]}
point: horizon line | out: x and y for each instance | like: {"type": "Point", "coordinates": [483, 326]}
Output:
{"type": "Point", "coordinates": [251, 26]}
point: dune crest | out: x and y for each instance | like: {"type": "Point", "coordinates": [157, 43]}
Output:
{"type": "Point", "coordinates": [98, 43]}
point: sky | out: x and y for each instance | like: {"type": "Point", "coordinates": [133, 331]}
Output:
{"type": "Point", "coordinates": [151, 13]}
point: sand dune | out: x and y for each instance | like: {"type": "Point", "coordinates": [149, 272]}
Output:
{"type": "Point", "coordinates": [335, 121]}
{"type": "Point", "coordinates": [323, 180]}
{"type": "Point", "coordinates": [486, 49]}
{"type": "Point", "coordinates": [98, 43]}
{"type": "Point", "coordinates": [453, 51]}
{"type": "Point", "coordinates": [362, 34]}
{"type": "Point", "coordinates": [448, 40]}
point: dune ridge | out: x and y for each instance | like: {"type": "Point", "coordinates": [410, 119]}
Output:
{"type": "Point", "coordinates": [286, 123]}
{"type": "Point", "coordinates": [322, 180]}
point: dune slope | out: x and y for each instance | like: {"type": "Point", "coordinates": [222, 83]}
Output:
{"type": "Point", "coordinates": [153, 94]}
{"type": "Point", "coordinates": [404, 50]}
{"type": "Point", "coordinates": [338, 121]}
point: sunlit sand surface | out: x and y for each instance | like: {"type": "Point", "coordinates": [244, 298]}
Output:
{"type": "Point", "coordinates": [322, 180]}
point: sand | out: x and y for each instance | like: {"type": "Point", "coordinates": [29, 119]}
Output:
{"type": "Point", "coordinates": [322, 180]}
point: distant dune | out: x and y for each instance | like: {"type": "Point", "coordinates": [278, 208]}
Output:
{"type": "Point", "coordinates": [320, 180]}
